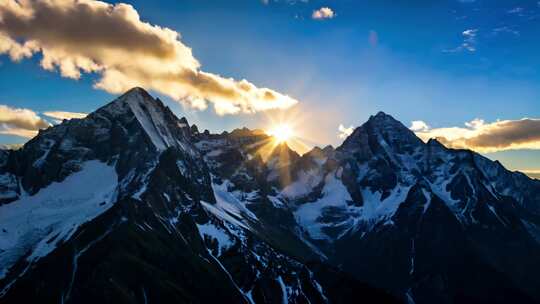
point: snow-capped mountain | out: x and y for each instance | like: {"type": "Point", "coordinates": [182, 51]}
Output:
{"type": "Point", "coordinates": [427, 223]}
{"type": "Point", "coordinates": [132, 204]}
{"type": "Point", "coordinates": [121, 207]}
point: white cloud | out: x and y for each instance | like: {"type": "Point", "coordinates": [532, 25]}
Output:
{"type": "Point", "coordinates": [76, 37]}
{"type": "Point", "coordinates": [418, 125]}
{"type": "Point", "coordinates": [323, 13]}
{"type": "Point", "coordinates": [61, 115]}
{"type": "Point", "coordinates": [26, 123]}
{"type": "Point", "coordinates": [488, 137]}
{"type": "Point", "coordinates": [20, 122]}
{"type": "Point", "coordinates": [345, 132]}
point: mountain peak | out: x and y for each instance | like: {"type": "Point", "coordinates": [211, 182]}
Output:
{"type": "Point", "coordinates": [388, 126]}
{"type": "Point", "coordinates": [139, 95]}
{"type": "Point", "coordinates": [136, 91]}
{"type": "Point", "coordinates": [381, 114]}
{"type": "Point", "coordinates": [284, 153]}
{"type": "Point", "coordinates": [157, 120]}
{"type": "Point", "coordinates": [133, 98]}
{"type": "Point", "coordinates": [383, 129]}
{"type": "Point", "coordinates": [434, 142]}
{"type": "Point", "coordinates": [384, 118]}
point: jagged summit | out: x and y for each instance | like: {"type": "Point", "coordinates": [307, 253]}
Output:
{"type": "Point", "coordinates": [135, 95]}
{"type": "Point", "coordinates": [161, 126]}
{"type": "Point", "coordinates": [384, 123]}
{"type": "Point", "coordinates": [381, 118]}
{"type": "Point", "coordinates": [318, 152]}
{"type": "Point", "coordinates": [246, 132]}
{"type": "Point", "coordinates": [434, 142]}
{"type": "Point", "coordinates": [137, 91]}
{"type": "Point", "coordinates": [381, 115]}
{"type": "Point", "coordinates": [380, 133]}
{"type": "Point", "coordinates": [281, 155]}
{"type": "Point", "coordinates": [380, 125]}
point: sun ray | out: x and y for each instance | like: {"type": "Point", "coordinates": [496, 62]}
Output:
{"type": "Point", "coordinates": [282, 132]}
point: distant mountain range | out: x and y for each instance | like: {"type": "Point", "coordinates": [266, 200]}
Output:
{"type": "Point", "coordinates": [133, 205]}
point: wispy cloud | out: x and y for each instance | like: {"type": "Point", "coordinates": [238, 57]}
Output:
{"type": "Point", "coordinates": [75, 37]}
{"type": "Point", "coordinates": [516, 10]}
{"type": "Point", "coordinates": [20, 122]}
{"type": "Point", "coordinates": [323, 13]}
{"type": "Point", "coordinates": [469, 42]}
{"type": "Point", "coordinates": [344, 132]}
{"type": "Point", "coordinates": [485, 137]}
{"type": "Point", "coordinates": [505, 30]}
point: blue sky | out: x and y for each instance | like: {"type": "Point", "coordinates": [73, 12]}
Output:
{"type": "Point", "coordinates": [444, 63]}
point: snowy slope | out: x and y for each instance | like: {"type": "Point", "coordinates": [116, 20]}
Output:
{"type": "Point", "coordinates": [34, 225]}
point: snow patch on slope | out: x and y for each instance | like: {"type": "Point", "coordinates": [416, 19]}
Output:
{"type": "Point", "coordinates": [304, 184]}
{"type": "Point", "coordinates": [336, 201]}
{"type": "Point", "coordinates": [34, 225]}
{"type": "Point", "coordinates": [228, 202]}
{"type": "Point", "coordinates": [212, 231]}
{"type": "Point", "coordinates": [334, 194]}
{"type": "Point", "coordinates": [9, 186]}
{"type": "Point", "coordinates": [374, 208]}
{"type": "Point", "coordinates": [152, 123]}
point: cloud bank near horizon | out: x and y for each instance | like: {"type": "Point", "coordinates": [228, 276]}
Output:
{"type": "Point", "coordinates": [485, 137]}
{"type": "Point", "coordinates": [20, 122]}
{"type": "Point", "coordinates": [88, 36]}
{"type": "Point", "coordinates": [26, 123]}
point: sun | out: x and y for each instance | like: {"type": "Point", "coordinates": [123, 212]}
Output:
{"type": "Point", "coordinates": [281, 133]}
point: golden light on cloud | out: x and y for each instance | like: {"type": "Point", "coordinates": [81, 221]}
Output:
{"type": "Point", "coordinates": [77, 37]}
{"type": "Point", "coordinates": [485, 137]}
{"type": "Point", "coordinates": [20, 122]}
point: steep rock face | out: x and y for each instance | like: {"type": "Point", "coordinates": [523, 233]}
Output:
{"type": "Point", "coordinates": [128, 132]}
{"type": "Point", "coordinates": [121, 206]}
{"type": "Point", "coordinates": [247, 171]}
{"type": "Point", "coordinates": [138, 140]}
{"type": "Point", "coordinates": [422, 220]}
{"type": "Point", "coordinates": [426, 222]}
